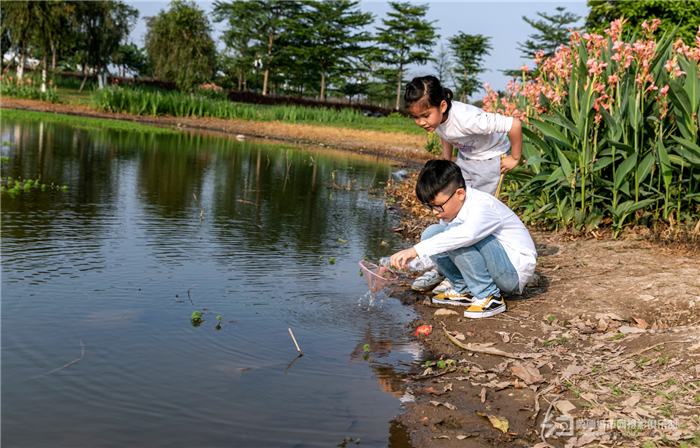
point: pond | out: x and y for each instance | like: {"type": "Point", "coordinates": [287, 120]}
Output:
{"type": "Point", "coordinates": [109, 272]}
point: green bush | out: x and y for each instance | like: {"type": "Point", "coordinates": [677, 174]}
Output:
{"type": "Point", "coordinates": [27, 88]}
{"type": "Point", "coordinates": [612, 131]}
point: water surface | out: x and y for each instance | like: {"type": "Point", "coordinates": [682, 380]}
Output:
{"type": "Point", "coordinates": [120, 260]}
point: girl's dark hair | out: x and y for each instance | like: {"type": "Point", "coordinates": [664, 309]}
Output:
{"type": "Point", "coordinates": [436, 176]}
{"type": "Point", "coordinates": [427, 88]}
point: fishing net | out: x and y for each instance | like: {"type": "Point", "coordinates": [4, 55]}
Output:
{"type": "Point", "coordinates": [377, 277]}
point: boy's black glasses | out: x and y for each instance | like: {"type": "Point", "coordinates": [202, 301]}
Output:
{"type": "Point", "coordinates": [439, 208]}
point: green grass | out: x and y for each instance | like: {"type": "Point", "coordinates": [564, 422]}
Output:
{"type": "Point", "coordinates": [155, 103]}
{"type": "Point", "coordinates": [71, 95]}
{"type": "Point", "coordinates": [83, 122]}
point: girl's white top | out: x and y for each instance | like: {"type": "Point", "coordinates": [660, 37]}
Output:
{"type": "Point", "coordinates": [478, 135]}
{"type": "Point", "coordinates": [482, 215]}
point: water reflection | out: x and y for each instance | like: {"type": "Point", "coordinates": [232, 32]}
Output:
{"type": "Point", "coordinates": [121, 260]}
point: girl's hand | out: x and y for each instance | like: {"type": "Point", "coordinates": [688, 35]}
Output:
{"type": "Point", "coordinates": [508, 163]}
{"type": "Point", "coordinates": [400, 259]}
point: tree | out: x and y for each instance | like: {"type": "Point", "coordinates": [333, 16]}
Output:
{"type": "Point", "coordinates": [406, 38]}
{"type": "Point", "coordinates": [469, 51]}
{"type": "Point", "coordinates": [18, 18]}
{"type": "Point", "coordinates": [330, 37]}
{"type": "Point", "coordinates": [553, 32]}
{"type": "Point", "coordinates": [48, 17]}
{"type": "Point", "coordinates": [267, 19]}
{"type": "Point", "coordinates": [101, 26]}
{"type": "Point", "coordinates": [179, 44]}
{"type": "Point", "coordinates": [131, 58]}
{"type": "Point", "coordinates": [442, 64]}
{"type": "Point", "coordinates": [685, 14]}
{"type": "Point", "coordinates": [238, 38]}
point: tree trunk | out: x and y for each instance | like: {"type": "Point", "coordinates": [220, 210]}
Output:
{"type": "Point", "coordinates": [43, 72]}
{"type": "Point", "coordinates": [240, 79]}
{"type": "Point", "coordinates": [323, 83]}
{"type": "Point", "coordinates": [84, 78]}
{"type": "Point", "coordinates": [267, 74]}
{"type": "Point", "coordinates": [20, 67]}
{"type": "Point", "coordinates": [54, 47]}
{"type": "Point", "coordinates": [398, 91]}
{"type": "Point", "coordinates": [245, 82]}
{"type": "Point", "coordinates": [464, 92]}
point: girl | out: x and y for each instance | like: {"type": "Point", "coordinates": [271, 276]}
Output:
{"type": "Point", "coordinates": [489, 145]}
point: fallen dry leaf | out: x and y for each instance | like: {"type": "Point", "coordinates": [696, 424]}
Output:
{"type": "Point", "coordinates": [631, 401]}
{"type": "Point", "coordinates": [424, 419]}
{"type": "Point", "coordinates": [571, 370]}
{"type": "Point", "coordinates": [449, 406]}
{"type": "Point", "coordinates": [497, 422]}
{"type": "Point", "coordinates": [505, 336]}
{"type": "Point", "coordinates": [641, 323]}
{"type": "Point", "coordinates": [658, 400]}
{"type": "Point", "coordinates": [483, 395]}
{"type": "Point", "coordinates": [528, 373]}
{"type": "Point", "coordinates": [566, 408]}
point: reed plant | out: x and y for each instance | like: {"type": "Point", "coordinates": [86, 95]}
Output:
{"type": "Point", "coordinates": [138, 101]}
{"type": "Point", "coordinates": [612, 131]}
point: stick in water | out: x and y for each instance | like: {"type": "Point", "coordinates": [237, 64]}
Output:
{"type": "Point", "coordinates": [82, 353]}
{"type": "Point", "coordinates": [200, 207]}
{"type": "Point", "coordinates": [295, 342]}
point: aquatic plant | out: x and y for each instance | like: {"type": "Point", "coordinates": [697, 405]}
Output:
{"type": "Point", "coordinates": [84, 122]}
{"type": "Point", "coordinates": [196, 319]}
{"type": "Point", "coordinates": [366, 348]}
{"type": "Point", "coordinates": [332, 260]}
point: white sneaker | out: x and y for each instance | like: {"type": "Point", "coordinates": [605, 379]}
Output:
{"type": "Point", "coordinates": [427, 281]}
{"type": "Point", "coordinates": [443, 287]}
{"type": "Point", "coordinates": [452, 297]}
{"type": "Point", "coordinates": [487, 307]}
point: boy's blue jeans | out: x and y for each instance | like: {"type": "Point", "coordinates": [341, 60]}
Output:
{"type": "Point", "coordinates": [482, 269]}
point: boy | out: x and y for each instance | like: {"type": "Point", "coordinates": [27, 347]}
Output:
{"type": "Point", "coordinates": [480, 245]}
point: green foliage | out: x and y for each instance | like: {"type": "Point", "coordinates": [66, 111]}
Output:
{"type": "Point", "coordinates": [469, 52]}
{"type": "Point", "coordinates": [331, 260]}
{"type": "Point", "coordinates": [406, 39]}
{"type": "Point", "coordinates": [328, 36]}
{"type": "Point", "coordinates": [178, 104]}
{"type": "Point", "coordinates": [27, 88]}
{"type": "Point", "coordinates": [434, 144]}
{"type": "Point", "coordinates": [441, 364]}
{"type": "Point", "coordinates": [196, 319]}
{"type": "Point", "coordinates": [366, 348]}
{"type": "Point", "coordinates": [552, 32]}
{"type": "Point", "coordinates": [684, 14]}
{"type": "Point", "coordinates": [179, 43]}
{"type": "Point", "coordinates": [612, 135]}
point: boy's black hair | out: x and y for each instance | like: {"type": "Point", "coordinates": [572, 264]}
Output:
{"type": "Point", "coordinates": [428, 89]}
{"type": "Point", "coordinates": [436, 176]}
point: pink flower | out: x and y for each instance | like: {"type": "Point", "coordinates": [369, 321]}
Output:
{"type": "Point", "coordinates": [612, 79]}
{"type": "Point", "coordinates": [669, 65]}
{"type": "Point", "coordinates": [525, 68]}
{"type": "Point", "coordinates": [664, 90]}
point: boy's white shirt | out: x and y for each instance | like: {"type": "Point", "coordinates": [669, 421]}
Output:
{"type": "Point", "coordinates": [482, 215]}
{"type": "Point", "coordinates": [478, 135]}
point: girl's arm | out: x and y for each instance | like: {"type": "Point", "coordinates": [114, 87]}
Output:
{"type": "Point", "coordinates": [516, 147]}
{"type": "Point", "coordinates": [446, 149]}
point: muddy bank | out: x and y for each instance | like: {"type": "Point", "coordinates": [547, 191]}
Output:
{"type": "Point", "coordinates": [404, 147]}
{"type": "Point", "coordinates": [606, 338]}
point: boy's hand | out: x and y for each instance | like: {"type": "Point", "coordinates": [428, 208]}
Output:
{"type": "Point", "coordinates": [400, 259]}
{"type": "Point", "coordinates": [508, 163]}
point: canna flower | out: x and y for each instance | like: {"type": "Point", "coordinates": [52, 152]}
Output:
{"type": "Point", "coordinates": [612, 79]}
{"type": "Point", "coordinates": [664, 90]}
{"type": "Point", "coordinates": [525, 68]}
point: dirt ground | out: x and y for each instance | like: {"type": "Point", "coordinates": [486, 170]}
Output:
{"type": "Point", "coordinates": [396, 145]}
{"type": "Point", "coordinates": [606, 341]}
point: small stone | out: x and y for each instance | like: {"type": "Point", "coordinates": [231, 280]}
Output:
{"type": "Point", "coordinates": [240, 137]}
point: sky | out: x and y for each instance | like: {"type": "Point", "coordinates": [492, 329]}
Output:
{"type": "Point", "coordinates": [502, 21]}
